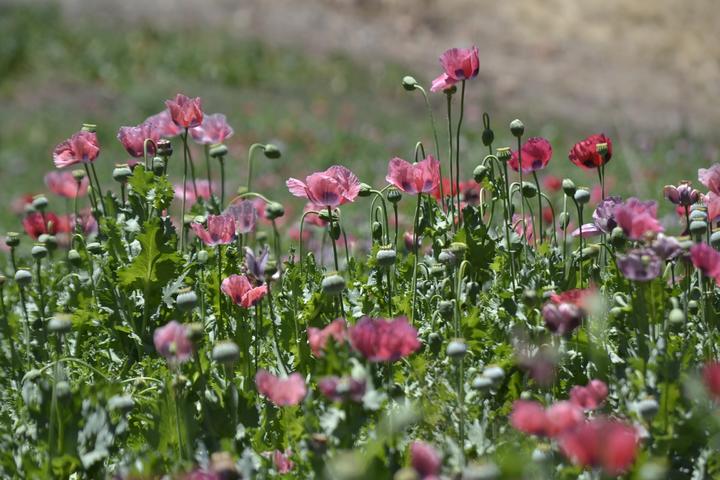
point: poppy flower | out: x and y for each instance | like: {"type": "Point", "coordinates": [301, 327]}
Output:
{"type": "Point", "coordinates": [335, 186]}
{"type": "Point", "coordinates": [85, 221]}
{"type": "Point", "coordinates": [220, 230]}
{"type": "Point", "coordinates": [591, 396]}
{"type": "Point", "coordinates": [281, 391]}
{"type": "Point", "coordinates": [536, 153]}
{"type": "Point", "coordinates": [242, 292]}
{"type": "Point", "coordinates": [552, 183]}
{"type": "Point", "coordinates": [640, 264]}
{"type": "Point", "coordinates": [256, 264]}
{"type": "Point", "coordinates": [133, 139]}
{"type": "Point", "coordinates": [601, 443]}
{"type": "Point", "coordinates": [561, 417]}
{"type": "Point", "coordinates": [529, 231]}
{"type": "Point", "coordinates": [21, 203]}
{"type": "Point", "coordinates": [65, 185]}
{"type": "Point", "coordinates": [36, 223]}
{"type": "Point", "coordinates": [706, 259]}
{"type": "Point", "coordinates": [682, 194]}
{"type": "Point", "coordinates": [421, 177]}
{"type": "Point", "coordinates": [82, 147]}
{"type": "Point", "coordinates": [340, 389]}
{"type": "Point", "coordinates": [245, 215]}
{"type": "Point", "coordinates": [185, 112]}
{"type": "Point", "coordinates": [381, 340]}
{"type": "Point", "coordinates": [162, 125]}
{"type": "Point", "coordinates": [281, 461]}
{"type": "Point", "coordinates": [588, 230]}
{"type": "Point", "coordinates": [667, 248]}
{"type": "Point", "coordinates": [172, 342]}
{"type": "Point", "coordinates": [710, 177]}
{"type": "Point", "coordinates": [459, 64]}
{"type": "Point", "coordinates": [711, 379]}
{"type": "Point", "coordinates": [637, 218]}
{"type": "Point", "coordinates": [584, 154]}
{"type": "Point", "coordinates": [213, 129]}
{"type": "Point", "coordinates": [529, 417]}
{"type": "Point", "coordinates": [604, 214]}
{"type": "Point", "coordinates": [712, 202]}
{"type": "Point", "coordinates": [317, 337]}
{"type": "Point", "coordinates": [203, 187]}
{"type": "Point", "coordinates": [425, 460]}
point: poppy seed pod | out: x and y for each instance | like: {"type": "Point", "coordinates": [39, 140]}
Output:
{"type": "Point", "coordinates": [39, 252]}
{"type": "Point", "coordinates": [158, 165]}
{"type": "Point", "coordinates": [482, 383]}
{"type": "Point", "coordinates": [23, 276]}
{"type": "Point", "coordinates": [480, 173]}
{"type": "Point", "coordinates": [60, 324]}
{"type": "Point", "coordinates": [450, 90]}
{"type": "Point", "coordinates": [94, 247]}
{"type": "Point", "coordinates": [582, 196]}
{"type": "Point", "coordinates": [503, 154]}
{"type": "Point", "coordinates": [78, 174]}
{"type": "Point", "coordinates": [715, 239]}
{"type": "Point", "coordinates": [121, 172]}
{"type": "Point", "coordinates": [202, 257]}
{"type": "Point", "coordinates": [458, 249]}
{"type": "Point", "coordinates": [121, 403]}
{"type": "Point", "coordinates": [698, 214]}
{"type": "Point", "coordinates": [89, 127]}
{"type": "Point", "coordinates": [494, 373]}
{"type": "Point", "coordinates": [333, 284]}
{"type": "Point", "coordinates": [385, 257]}
{"type": "Point", "coordinates": [394, 195]}
{"type": "Point", "coordinates": [676, 316]}
{"type": "Point", "coordinates": [40, 202]}
{"type": "Point", "coordinates": [529, 190]}
{"type": "Point", "coordinates": [647, 408]}
{"type": "Point", "coordinates": [164, 148]}
{"type": "Point", "coordinates": [446, 257]}
{"type": "Point", "coordinates": [226, 352]}
{"type": "Point", "coordinates": [186, 300]}
{"type": "Point", "coordinates": [365, 190]}
{"type": "Point", "coordinates": [409, 83]}
{"type": "Point", "coordinates": [272, 151]}
{"type": "Point", "coordinates": [74, 258]}
{"type": "Point", "coordinates": [693, 307]}
{"type": "Point", "coordinates": [446, 308]}
{"type": "Point", "coordinates": [568, 187]}
{"type": "Point", "coordinates": [12, 239]}
{"type": "Point", "coordinates": [517, 128]}
{"type": "Point", "coordinates": [564, 220]}
{"type": "Point", "coordinates": [195, 332]}
{"type": "Point", "coordinates": [456, 348]}
{"type": "Point", "coordinates": [274, 210]}
{"type": "Point", "coordinates": [50, 241]}
{"type": "Point", "coordinates": [698, 227]}
{"type": "Point", "coordinates": [601, 148]}
{"type": "Point", "coordinates": [218, 150]}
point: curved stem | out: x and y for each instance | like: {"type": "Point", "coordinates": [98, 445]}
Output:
{"type": "Point", "coordinates": [435, 138]}
{"type": "Point", "coordinates": [251, 152]}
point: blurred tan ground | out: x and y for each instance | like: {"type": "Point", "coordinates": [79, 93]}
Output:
{"type": "Point", "coordinates": [646, 64]}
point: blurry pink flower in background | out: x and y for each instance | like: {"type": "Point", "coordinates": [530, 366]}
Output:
{"type": "Point", "coordinates": [281, 391]}
{"type": "Point", "coordinates": [133, 139]}
{"type": "Point", "coordinates": [245, 215]}
{"type": "Point", "coordinates": [711, 379]}
{"type": "Point", "coordinates": [65, 185]}
{"type": "Point", "coordinates": [185, 112]}
{"type": "Point", "coordinates": [425, 460]}
{"type": "Point", "coordinates": [317, 337]}
{"type": "Point", "coordinates": [282, 462]}
{"type": "Point", "coordinates": [710, 177]}
{"type": "Point", "coordinates": [162, 125]}
{"type": "Point", "coordinates": [220, 230]}
{"type": "Point", "coordinates": [203, 190]}
{"type": "Point", "coordinates": [339, 389]}
{"type": "Point", "coordinates": [637, 218]}
{"type": "Point", "coordinates": [420, 177]}
{"type": "Point", "coordinates": [82, 147]}
{"type": "Point", "coordinates": [706, 259]}
{"type": "Point", "coordinates": [528, 416]}
{"type": "Point", "coordinates": [213, 129]}
{"type": "Point", "coordinates": [172, 342]}
{"type": "Point", "coordinates": [381, 340]}
{"type": "Point", "coordinates": [459, 64]}
{"type": "Point", "coordinates": [590, 396]}
{"type": "Point", "coordinates": [601, 443]}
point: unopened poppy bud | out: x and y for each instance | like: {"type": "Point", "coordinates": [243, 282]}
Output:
{"type": "Point", "coordinates": [272, 151]}
{"type": "Point", "coordinates": [60, 324]}
{"type": "Point", "coordinates": [503, 154]}
{"type": "Point", "coordinates": [3, 279]}
{"type": "Point", "coordinates": [23, 276]}
{"type": "Point", "coordinates": [617, 237]}
{"type": "Point", "coordinates": [517, 128]}
{"type": "Point", "coordinates": [333, 284]}
{"type": "Point", "coordinates": [394, 195]}
{"type": "Point", "coordinates": [39, 252]}
{"type": "Point", "coordinates": [568, 187]}
{"type": "Point", "coordinates": [158, 165]}
{"type": "Point", "coordinates": [186, 300]}
{"type": "Point", "coordinates": [458, 249]}
{"type": "Point", "coordinates": [218, 150]}
{"type": "Point", "coordinates": [715, 239]}
{"type": "Point", "coordinates": [456, 348]}
{"type": "Point", "coordinates": [698, 227]}
{"type": "Point", "coordinates": [529, 190]}
{"type": "Point", "coordinates": [693, 307]}
{"type": "Point", "coordinates": [582, 196]}
{"type": "Point", "coordinates": [365, 190]}
{"type": "Point", "coordinates": [78, 174]}
{"type": "Point", "coordinates": [377, 231]}
{"type": "Point", "coordinates": [446, 257]}
{"type": "Point", "coordinates": [446, 308]}
{"type": "Point", "coordinates": [601, 148]}
{"type": "Point", "coordinates": [409, 83]}
{"type": "Point", "coordinates": [473, 289]}
{"type": "Point", "coordinates": [74, 258]}
{"type": "Point", "coordinates": [589, 252]}
{"type": "Point", "coordinates": [202, 257]}
{"type": "Point", "coordinates": [12, 239]}
{"type": "Point", "coordinates": [164, 148]}
{"type": "Point", "coordinates": [89, 127]}
{"type": "Point", "coordinates": [647, 408]}
{"type": "Point", "coordinates": [406, 473]}
{"type": "Point", "coordinates": [481, 383]}
{"type": "Point", "coordinates": [226, 352]}
{"type": "Point", "coordinates": [450, 90]}
{"type": "Point", "coordinates": [494, 373]}
{"type": "Point", "coordinates": [195, 332]}
{"type": "Point", "coordinates": [385, 257]}
{"type": "Point", "coordinates": [480, 173]}
{"type": "Point", "coordinates": [121, 403]}
{"type": "Point", "coordinates": [94, 247]}
{"type": "Point", "coordinates": [616, 312]}
{"type": "Point", "coordinates": [487, 137]}
{"type": "Point", "coordinates": [121, 172]}
{"type": "Point", "coordinates": [334, 231]}
{"type": "Point", "coordinates": [62, 390]}
{"type": "Point", "coordinates": [676, 316]}
{"type": "Point", "coordinates": [40, 202]}
{"type": "Point", "coordinates": [274, 210]}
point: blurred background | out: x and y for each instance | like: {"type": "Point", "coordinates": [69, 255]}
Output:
{"type": "Point", "coordinates": [322, 79]}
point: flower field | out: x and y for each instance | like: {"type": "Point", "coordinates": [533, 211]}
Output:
{"type": "Point", "coordinates": [508, 324]}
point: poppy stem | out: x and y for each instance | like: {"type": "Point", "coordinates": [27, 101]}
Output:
{"type": "Point", "coordinates": [457, 151]}
{"type": "Point", "coordinates": [506, 204]}
{"type": "Point", "coordinates": [99, 188]}
{"type": "Point", "coordinates": [415, 258]}
{"type": "Point", "coordinates": [188, 155]}
{"type": "Point", "coordinates": [207, 168]}
{"type": "Point", "coordinates": [184, 197]}
{"type": "Point", "coordinates": [450, 156]}
{"type": "Point", "coordinates": [540, 216]}
{"type": "Point", "coordinates": [522, 194]}
{"type": "Point", "coordinates": [221, 159]}
{"type": "Point", "coordinates": [435, 138]}
{"type": "Point", "coordinates": [580, 257]}
{"type": "Point", "coordinates": [220, 294]}
{"type": "Point", "coordinates": [251, 152]}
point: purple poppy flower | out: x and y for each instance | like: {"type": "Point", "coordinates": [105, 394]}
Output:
{"type": "Point", "coordinates": [604, 214]}
{"type": "Point", "coordinates": [667, 248]}
{"type": "Point", "coordinates": [256, 264]}
{"type": "Point", "coordinates": [640, 264]}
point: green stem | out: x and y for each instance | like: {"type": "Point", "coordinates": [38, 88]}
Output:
{"type": "Point", "coordinates": [457, 151]}
{"type": "Point", "coordinates": [415, 259]}
{"type": "Point", "coordinates": [450, 157]}
{"type": "Point", "coordinates": [207, 168]}
{"type": "Point", "coordinates": [221, 159]}
{"type": "Point", "coordinates": [435, 138]}
{"type": "Point", "coordinates": [540, 215]}
{"type": "Point", "coordinates": [251, 151]}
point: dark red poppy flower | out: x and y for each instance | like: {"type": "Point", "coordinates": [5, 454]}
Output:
{"type": "Point", "coordinates": [459, 64]}
{"type": "Point", "coordinates": [185, 112]}
{"type": "Point", "coordinates": [65, 185]}
{"type": "Point", "coordinates": [281, 391]}
{"type": "Point", "coordinates": [584, 154]}
{"type": "Point", "coordinates": [421, 177]}
{"type": "Point", "coordinates": [36, 224]}
{"type": "Point", "coordinates": [381, 340]}
{"type": "Point", "coordinates": [82, 147]}
{"type": "Point", "coordinates": [536, 153]}
{"type": "Point", "coordinates": [242, 292]}
{"type": "Point", "coordinates": [220, 230]}
{"type": "Point", "coordinates": [318, 337]}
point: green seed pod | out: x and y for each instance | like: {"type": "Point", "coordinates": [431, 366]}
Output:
{"type": "Point", "coordinates": [23, 276]}
{"type": "Point", "coordinates": [693, 307]}
{"type": "Point", "coordinates": [12, 239]}
{"type": "Point", "coordinates": [60, 323]}
{"type": "Point", "coordinates": [458, 249]}
{"type": "Point", "coordinates": [377, 231]}
{"type": "Point", "coordinates": [698, 227]}
{"type": "Point", "coordinates": [333, 284]}
{"type": "Point", "coordinates": [456, 349]}
{"type": "Point", "coordinates": [582, 196]}
{"type": "Point", "coordinates": [202, 257]}
{"type": "Point", "coordinates": [195, 332]}
{"type": "Point", "coordinates": [517, 128]}
{"type": "Point", "coordinates": [365, 190]}
{"type": "Point", "coordinates": [74, 258]}
{"type": "Point", "coordinates": [715, 239]}
{"type": "Point", "coordinates": [121, 172]}
{"type": "Point", "coordinates": [647, 408]}
{"type": "Point", "coordinates": [121, 403]}
{"type": "Point", "coordinates": [435, 342]}
{"type": "Point", "coordinates": [394, 195]}
{"type": "Point", "coordinates": [473, 289]}
{"type": "Point", "coordinates": [699, 215]}
{"type": "Point", "coordinates": [63, 390]}
{"type": "Point", "coordinates": [601, 148]}
{"type": "Point", "coordinates": [451, 90]}
{"type": "Point", "coordinates": [226, 352]}
{"type": "Point", "coordinates": [94, 247]}
{"type": "Point", "coordinates": [676, 316]}
{"type": "Point", "coordinates": [409, 83]}
{"type": "Point", "coordinates": [78, 174]}
{"type": "Point", "coordinates": [480, 173]}
{"type": "Point", "coordinates": [503, 154]}
{"type": "Point", "coordinates": [482, 383]}
{"type": "Point", "coordinates": [569, 187]}
{"type": "Point", "coordinates": [89, 127]}
{"type": "Point", "coordinates": [40, 202]}
{"type": "Point", "coordinates": [218, 150]}
{"type": "Point", "coordinates": [564, 220]}
{"type": "Point", "coordinates": [385, 257]}
{"type": "Point", "coordinates": [186, 300]}
{"type": "Point", "coordinates": [274, 210]}
{"type": "Point", "coordinates": [50, 241]}
{"type": "Point", "coordinates": [164, 148]}
{"type": "Point", "coordinates": [529, 190]}
{"type": "Point", "coordinates": [494, 373]}
{"type": "Point", "coordinates": [446, 308]}
{"type": "Point", "coordinates": [271, 151]}
{"type": "Point", "coordinates": [617, 237]}
{"type": "Point", "coordinates": [158, 165]}
{"type": "Point", "coordinates": [616, 312]}
{"type": "Point", "coordinates": [334, 231]}
{"type": "Point", "coordinates": [591, 251]}
{"type": "Point", "coordinates": [38, 251]}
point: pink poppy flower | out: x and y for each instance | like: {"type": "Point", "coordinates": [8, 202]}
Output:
{"type": "Point", "coordinates": [425, 460]}
{"type": "Point", "coordinates": [241, 291]}
{"type": "Point", "coordinates": [162, 125]}
{"type": "Point", "coordinates": [459, 64]}
{"type": "Point", "coordinates": [185, 112]}
{"type": "Point", "coordinates": [203, 190]}
{"type": "Point", "coordinates": [201, 474]}
{"type": "Point", "coordinates": [36, 223]}
{"type": "Point", "coordinates": [421, 177]}
{"type": "Point", "coordinates": [245, 215]}
{"type": "Point", "coordinates": [65, 185]}
{"type": "Point", "coordinates": [172, 342]}
{"type": "Point", "coordinates": [682, 194]}
{"type": "Point", "coordinates": [340, 389]}
{"type": "Point", "coordinates": [448, 188]}
{"type": "Point", "coordinates": [584, 153]}
{"type": "Point", "coordinates": [282, 462]}
{"type": "Point", "coordinates": [706, 259]}
{"type": "Point", "coordinates": [561, 417]}
{"type": "Point", "coordinates": [601, 443]}
{"type": "Point", "coordinates": [133, 139]}
{"type": "Point", "coordinates": [590, 396]}
{"type": "Point", "coordinates": [588, 230]}
{"type": "Point", "coordinates": [220, 230]}
{"type": "Point", "coordinates": [710, 177]}
{"type": "Point", "coordinates": [281, 391]}
{"type": "Point", "coordinates": [711, 379]}
{"type": "Point", "coordinates": [529, 233]}
{"type": "Point", "coordinates": [85, 221]}
{"type": "Point", "coordinates": [637, 218]}
{"type": "Point", "coordinates": [529, 417]}
{"type": "Point", "coordinates": [381, 340]}
{"type": "Point", "coordinates": [82, 147]}
{"type": "Point", "coordinates": [337, 330]}
{"type": "Point", "coordinates": [335, 186]}
{"type": "Point", "coordinates": [712, 202]}
{"type": "Point", "coordinates": [536, 153]}
{"type": "Point", "coordinates": [213, 129]}
{"type": "Point", "coordinates": [552, 183]}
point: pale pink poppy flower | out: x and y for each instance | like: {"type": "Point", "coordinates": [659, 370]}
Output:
{"type": "Point", "coordinates": [333, 187]}
{"type": "Point", "coordinates": [245, 215]}
{"type": "Point", "coordinates": [185, 112]}
{"type": "Point", "coordinates": [213, 129]}
{"type": "Point", "coordinates": [172, 342]}
{"type": "Point", "coordinates": [561, 417]}
{"type": "Point", "coordinates": [421, 177]}
{"type": "Point", "coordinates": [281, 391]}
{"type": "Point", "coordinates": [162, 125]}
{"type": "Point", "coordinates": [204, 187]}
{"type": "Point", "coordinates": [241, 291]}
{"type": "Point", "coordinates": [706, 259]}
{"type": "Point", "coordinates": [282, 462]}
{"type": "Point", "coordinates": [710, 177]}
{"type": "Point", "coordinates": [337, 330]}
{"type": "Point", "coordinates": [529, 417]}
{"type": "Point", "coordinates": [590, 396]}
{"type": "Point", "coordinates": [459, 64]}
{"type": "Point", "coordinates": [82, 147]}
{"type": "Point", "coordinates": [65, 185]}
{"type": "Point", "coordinates": [381, 340]}
{"type": "Point", "coordinates": [220, 230]}
{"type": "Point", "coordinates": [588, 230]}
{"type": "Point", "coordinates": [133, 139]}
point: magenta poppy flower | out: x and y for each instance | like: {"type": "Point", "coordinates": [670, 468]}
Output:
{"type": "Point", "coordinates": [710, 177]}
{"type": "Point", "coordinates": [133, 139]}
{"type": "Point", "coordinates": [706, 259]}
{"type": "Point", "coordinates": [281, 391]}
{"type": "Point", "coordinates": [584, 153]}
{"type": "Point", "coordinates": [601, 443]}
{"type": "Point", "coordinates": [640, 264]}
{"type": "Point", "coordinates": [536, 153]}
{"type": "Point", "coordinates": [220, 230]}
{"type": "Point", "coordinates": [281, 461]}
{"type": "Point", "coordinates": [335, 186]}
{"type": "Point", "coordinates": [340, 389]}
{"type": "Point", "coordinates": [185, 112]}
{"type": "Point", "coordinates": [561, 417]}
{"type": "Point", "coordinates": [682, 194]}
{"type": "Point", "coordinates": [591, 396]}
{"type": "Point", "coordinates": [318, 337]}
{"type": "Point", "coordinates": [245, 215]}
{"type": "Point", "coordinates": [420, 177]}
{"type": "Point", "coordinates": [82, 147]}
{"type": "Point", "coordinates": [425, 460]}
{"type": "Point", "coordinates": [213, 129]}
{"type": "Point", "coordinates": [173, 343]}
{"type": "Point", "coordinates": [65, 185]}
{"type": "Point", "coordinates": [667, 248]}
{"type": "Point", "coordinates": [381, 340]}
{"type": "Point", "coordinates": [242, 292]}
{"type": "Point", "coordinates": [711, 379]}
{"type": "Point", "coordinates": [162, 125]}
{"type": "Point", "coordinates": [85, 221]}
{"type": "Point", "coordinates": [36, 223]}
{"type": "Point", "coordinates": [637, 219]}
{"type": "Point", "coordinates": [529, 417]}
{"type": "Point", "coordinates": [459, 64]}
